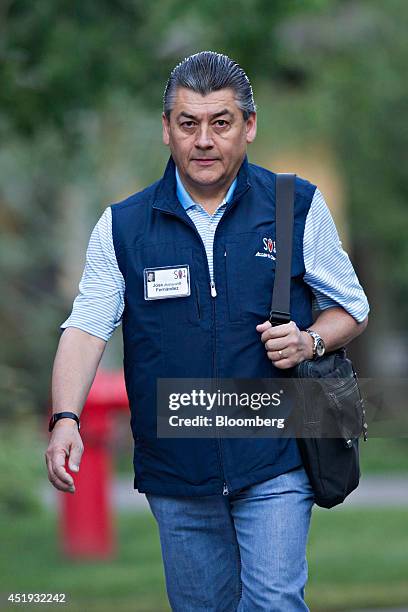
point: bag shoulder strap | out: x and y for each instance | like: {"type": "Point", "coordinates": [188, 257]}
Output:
{"type": "Point", "coordinates": [285, 196]}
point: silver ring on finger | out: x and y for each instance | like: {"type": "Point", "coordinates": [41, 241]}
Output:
{"type": "Point", "coordinates": [280, 354]}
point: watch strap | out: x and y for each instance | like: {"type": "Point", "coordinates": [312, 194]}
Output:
{"type": "Point", "coordinates": [62, 415]}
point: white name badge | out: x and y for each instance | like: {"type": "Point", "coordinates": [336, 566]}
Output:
{"type": "Point", "coordinates": [166, 282]}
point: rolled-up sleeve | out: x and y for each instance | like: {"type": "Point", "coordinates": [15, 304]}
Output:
{"type": "Point", "coordinates": [329, 271]}
{"type": "Point", "coordinates": [99, 305]}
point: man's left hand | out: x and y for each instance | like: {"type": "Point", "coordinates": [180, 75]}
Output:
{"type": "Point", "coordinates": [285, 345]}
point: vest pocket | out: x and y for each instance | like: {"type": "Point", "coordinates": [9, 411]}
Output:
{"type": "Point", "coordinates": [250, 273]}
{"type": "Point", "coordinates": [193, 302]}
{"type": "Point", "coordinates": [197, 300]}
{"type": "Point", "coordinates": [232, 255]}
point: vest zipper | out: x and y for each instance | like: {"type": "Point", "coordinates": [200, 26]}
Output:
{"type": "Point", "coordinates": [225, 490]}
{"type": "Point", "coordinates": [214, 368]}
{"type": "Point", "coordinates": [213, 289]}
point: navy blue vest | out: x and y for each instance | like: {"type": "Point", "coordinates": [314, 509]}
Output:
{"type": "Point", "coordinates": [201, 336]}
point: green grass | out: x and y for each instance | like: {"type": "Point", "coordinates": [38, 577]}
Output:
{"type": "Point", "coordinates": [30, 561]}
{"type": "Point", "coordinates": [384, 455]}
{"type": "Point", "coordinates": [357, 558]}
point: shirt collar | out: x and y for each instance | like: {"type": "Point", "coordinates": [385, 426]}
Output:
{"type": "Point", "coordinates": [187, 201]}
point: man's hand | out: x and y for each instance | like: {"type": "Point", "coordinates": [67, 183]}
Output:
{"type": "Point", "coordinates": [285, 344]}
{"type": "Point", "coordinates": [65, 442]}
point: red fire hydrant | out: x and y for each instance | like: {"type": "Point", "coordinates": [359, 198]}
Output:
{"type": "Point", "coordinates": [86, 517]}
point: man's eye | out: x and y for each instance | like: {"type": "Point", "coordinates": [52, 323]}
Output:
{"type": "Point", "coordinates": [188, 124]}
{"type": "Point", "coordinates": [221, 123]}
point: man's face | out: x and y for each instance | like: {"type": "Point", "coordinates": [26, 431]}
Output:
{"type": "Point", "coordinates": [208, 137]}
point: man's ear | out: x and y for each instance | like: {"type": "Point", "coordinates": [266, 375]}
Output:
{"type": "Point", "coordinates": [166, 129]}
{"type": "Point", "coordinates": [251, 128]}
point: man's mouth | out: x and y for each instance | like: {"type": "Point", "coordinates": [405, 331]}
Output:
{"type": "Point", "coordinates": [204, 161]}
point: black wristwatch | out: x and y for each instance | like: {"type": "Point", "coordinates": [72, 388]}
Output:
{"type": "Point", "coordinates": [319, 348]}
{"type": "Point", "coordinates": [62, 415]}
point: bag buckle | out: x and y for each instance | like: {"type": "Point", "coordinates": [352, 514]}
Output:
{"type": "Point", "coordinates": [279, 318]}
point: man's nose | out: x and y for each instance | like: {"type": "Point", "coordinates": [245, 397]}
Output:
{"type": "Point", "coordinates": [204, 139]}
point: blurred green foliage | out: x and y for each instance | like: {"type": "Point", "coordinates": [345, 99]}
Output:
{"type": "Point", "coordinates": [21, 472]}
{"type": "Point", "coordinates": [79, 123]}
{"type": "Point", "coordinates": [60, 57]}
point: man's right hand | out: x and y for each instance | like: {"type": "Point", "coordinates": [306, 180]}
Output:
{"type": "Point", "coordinates": [65, 442]}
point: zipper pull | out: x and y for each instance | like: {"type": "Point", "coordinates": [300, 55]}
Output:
{"type": "Point", "coordinates": [225, 489]}
{"type": "Point", "coordinates": [365, 426]}
{"type": "Point", "coordinates": [213, 289]}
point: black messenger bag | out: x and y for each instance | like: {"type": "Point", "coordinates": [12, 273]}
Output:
{"type": "Point", "coordinates": [330, 408]}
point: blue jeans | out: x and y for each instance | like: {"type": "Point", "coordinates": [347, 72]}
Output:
{"type": "Point", "coordinates": [245, 552]}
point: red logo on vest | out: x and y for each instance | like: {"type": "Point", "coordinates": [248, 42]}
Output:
{"type": "Point", "coordinates": [269, 245]}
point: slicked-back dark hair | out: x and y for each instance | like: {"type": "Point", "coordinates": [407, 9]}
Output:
{"type": "Point", "coordinates": [206, 72]}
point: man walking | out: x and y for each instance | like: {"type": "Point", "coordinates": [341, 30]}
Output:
{"type": "Point", "coordinates": [233, 513]}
